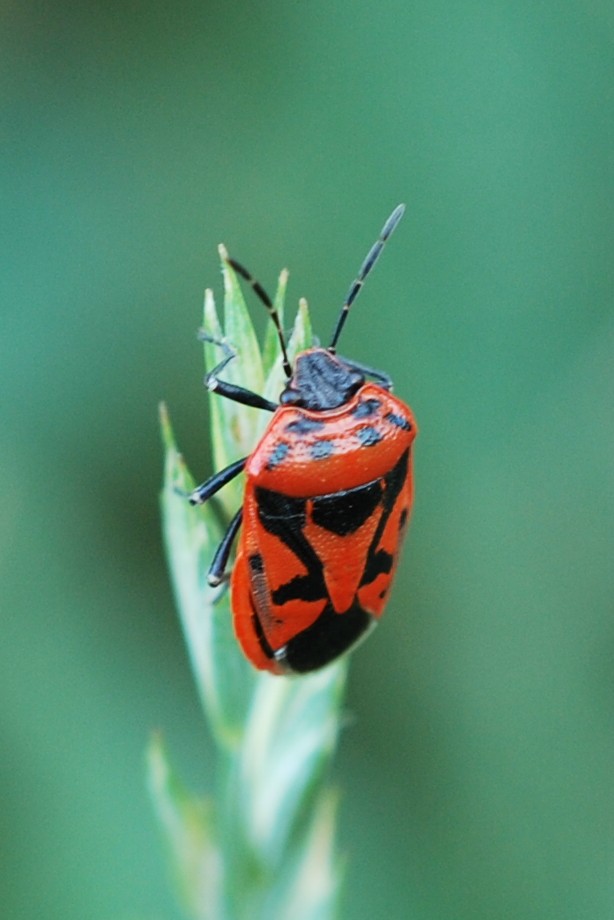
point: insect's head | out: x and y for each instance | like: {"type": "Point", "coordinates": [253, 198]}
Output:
{"type": "Point", "coordinates": [320, 380]}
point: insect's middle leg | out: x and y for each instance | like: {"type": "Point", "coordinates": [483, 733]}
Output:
{"type": "Point", "coordinates": [209, 487]}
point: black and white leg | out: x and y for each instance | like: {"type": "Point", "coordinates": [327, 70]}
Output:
{"type": "Point", "coordinates": [230, 390]}
{"type": "Point", "coordinates": [220, 559]}
{"type": "Point", "coordinates": [203, 493]}
{"type": "Point", "coordinates": [209, 487]}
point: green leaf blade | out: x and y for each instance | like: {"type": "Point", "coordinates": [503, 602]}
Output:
{"type": "Point", "coordinates": [191, 535]}
{"type": "Point", "coordinates": [188, 825]}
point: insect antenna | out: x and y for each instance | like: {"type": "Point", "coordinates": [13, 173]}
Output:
{"type": "Point", "coordinates": [365, 268]}
{"type": "Point", "coordinates": [266, 300]}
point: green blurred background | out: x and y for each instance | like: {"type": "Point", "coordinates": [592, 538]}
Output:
{"type": "Point", "coordinates": [477, 767]}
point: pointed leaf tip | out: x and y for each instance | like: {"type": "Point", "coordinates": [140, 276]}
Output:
{"type": "Point", "coordinates": [166, 428]}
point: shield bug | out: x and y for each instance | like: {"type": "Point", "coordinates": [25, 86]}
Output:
{"type": "Point", "coordinates": [328, 492]}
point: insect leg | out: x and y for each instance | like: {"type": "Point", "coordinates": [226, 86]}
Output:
{"type": "Point", "coordinates": [203, 492]}
{"type": "Point", "coordinates": [220, 559]}
{"type": "Point", "coordinates": [230, 390]}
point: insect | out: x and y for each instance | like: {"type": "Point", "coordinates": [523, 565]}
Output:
{"type": "Point", "coordinates": [328, 491]}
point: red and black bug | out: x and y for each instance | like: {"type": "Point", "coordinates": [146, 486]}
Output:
{"type": "Point", "coordinates": [328, 491]}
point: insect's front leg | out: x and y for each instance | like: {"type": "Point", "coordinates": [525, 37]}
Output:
{"type": "Point", "coordinates": [215, 384]}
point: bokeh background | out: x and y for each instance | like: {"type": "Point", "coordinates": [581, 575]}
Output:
{"type": "Point", "coordinates": [477, 766]}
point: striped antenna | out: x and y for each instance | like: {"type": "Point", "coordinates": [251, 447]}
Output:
{"type": "Point", "coordinates": [266, 300]}
{"type": "Point", "coordinates": [365, 268]}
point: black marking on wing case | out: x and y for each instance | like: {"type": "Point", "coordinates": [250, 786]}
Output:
{"type": "Point", "coordinates": [326, 639]}
{"type": "Point", "coordinates": [379, 562]}
{"type": "Point", "coordinates": [309, 587]}
{"type": "Point", "coordinates": [280, 514]}
{"type": "Point", "coordinates": [285, 518]}
{"type": "Point", "coordinates": [345, 512]}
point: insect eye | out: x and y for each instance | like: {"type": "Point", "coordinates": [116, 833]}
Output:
{"type": "Point", "coordinates": [290, 396]}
